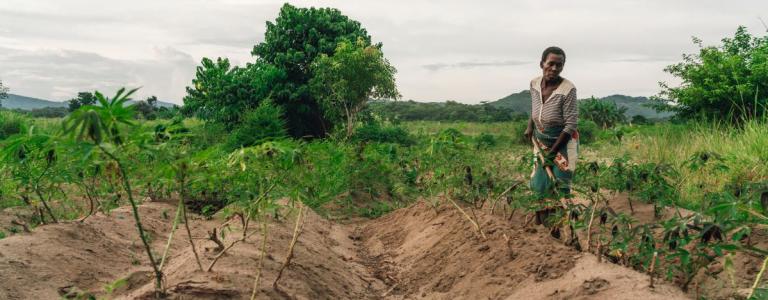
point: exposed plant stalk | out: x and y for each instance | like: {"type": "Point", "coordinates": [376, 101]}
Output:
{"type": "Point", "coordinates": [653, 264]}
{"type": "Point", "coordinates": [28, 202]}
{"type": "Point", "coordinates": [40, 195]}
{"type": "Point", "coordinates": [589, 228]}
{"type": "Point", "coordinates": [245, 221]}
{"type": "Point", "coordinates": [477, 226]}
{"type": "Point", "coordinates": [498, 198]}
{"type": "Point", "coordinates": [214, 237]}
{"type": "Point", "coordinates": [186, 224]}
{"type": "Point", "coordinates": [91, 207]}
{"type": "Point", "coordinates": [170, 236]}
{"type": "Point", "coordinates": [296, 232]}
{"type": "Point", "coordinates": [45, 204]}
{"type": "Point", "coordinates": [23, 225]}
{"type": "Point", "coordinates": [474, 216]}
{"type": "Point", "coordinates": [221, 253]}
{"type": "Point", "coordinates": [135, 208]}
{"type": "Point", "coordinates": [261, 260]}
{"type": "Point", "coordinates": [599, 249]}
{"type": "Point", "coordinates": [758, 278]}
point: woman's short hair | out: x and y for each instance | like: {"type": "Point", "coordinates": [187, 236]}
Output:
{"type": "Point", "coordinates": [553, 50]}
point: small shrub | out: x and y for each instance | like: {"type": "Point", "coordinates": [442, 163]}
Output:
{"type": "Point", "coordinates": [606, 114]}
{"type": "Point", "coordinates": [208, 135]}
{"type": "Point", "coordinates": [375, 132]}
{"type": "Point", "coordinates": [372, 171]}
{"type": "Point", "coordinates": [450, 134]}
{"type": "Point", "coordinates": [376, 209]}
{"type": "Point", "coordinates": [12, 123]}
{"type": "Point", "coordinates": [519, 133]}
{"type": "Point", "coordinates": [639, 120]}
{"type": "Point", "coordinates": [587, 131]}
{"type": "Point", "coordinates": [485, 141]}
{"type": "Point", "coordinates": [265, 123]}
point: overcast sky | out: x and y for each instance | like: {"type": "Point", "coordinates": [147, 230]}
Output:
{"type": "Point", "coordinates": [468, 51]}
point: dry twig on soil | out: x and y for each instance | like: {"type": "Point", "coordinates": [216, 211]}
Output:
{"type": "Point", "coordinates": [758, 278]}
{"type": "Point", "coordinates": [214, 237]}
{"type": "Point", "coordinates": [261, 260]}
{"type": "Point", "coordinates": [653, 264]}
{"type": "Point", "coordinates": [170, 235]}
{"type": "Point", "coordinates": [296, 231]}
{"type": "Point", "coordinates": [477, 226]}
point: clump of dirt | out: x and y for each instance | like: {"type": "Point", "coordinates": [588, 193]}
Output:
{"type": "Point", "coordinates": [414, 252]}
{"type": "Point", "coordinates": [594, 285]}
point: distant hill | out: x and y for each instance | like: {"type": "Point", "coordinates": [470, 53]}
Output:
{"type": "Point", "coordinates": [521, 102]}
{"type": "Point", "coordinates": [28, 103]}
{"type": "Point", "coordinates": [636, 106]}
{"type": "Point", "coordinates": [159, 103]}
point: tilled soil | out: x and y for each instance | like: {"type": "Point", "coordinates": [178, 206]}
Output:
{"type": "Point", "coordinates": [414, 252]}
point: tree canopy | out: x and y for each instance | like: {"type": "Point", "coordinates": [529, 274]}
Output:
{"type": "Point", "coordinates": [729, 81]}
{"type": "Point", "coordinates": [604, 113]}
{"type": "Point", "coordinates": [223, 93]}
{"type": "Point", "coordinates": [291, 44]}
{"type": "Point", "coordinates": [3, 93]}
{"type": "Point", "coordinates": [344, 82]}
{"type": "Point", "coordinates": [147, 109]}
{"type": "Point", "coordinates": [82, 99]}
{"type": "Point", "coordinates": [281, 73]}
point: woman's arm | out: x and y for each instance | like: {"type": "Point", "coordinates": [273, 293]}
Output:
{"type": "Point", "coordinates": [529, 130]}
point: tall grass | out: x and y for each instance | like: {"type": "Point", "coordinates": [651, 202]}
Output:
{"type": "Point", "coordinates": [468, 128]}
{"type": "Point", "coordinates": [744, 149]}
{"type": "Point", "coordinates": [744, 153]}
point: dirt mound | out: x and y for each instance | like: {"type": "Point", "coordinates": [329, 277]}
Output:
{"type": "Point", "coordinates": [104, 257]}
{"type": "Point", "coordinates": [69, 257]}
{"type": "Point", "coordinates": [415, 252]}
{"type": "Point", "coordinates": [437, 254]}
{"type": "Point", "coordinates": [325, 266]}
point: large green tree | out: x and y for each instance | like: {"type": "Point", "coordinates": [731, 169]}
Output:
{"type": "Point", "coordinates": [291, 44]}
{"type": "Point", "coordinates": [82, 99]}
{"type": "Point", "coordinates": [729, 81]}
{"type": "Point", "coordinates": [147, 108]}
{"type": "Point", "coordinates": [224, 93]}
{"type": "Point", "coordinates": [604, 113]}
{"type": "Point", "coordinates": [344, 82]}
{"type": "Point", "coordinates": [3, 93]}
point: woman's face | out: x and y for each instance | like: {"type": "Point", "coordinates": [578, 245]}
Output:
{"type": "Point", "coordinates": [552, 66]}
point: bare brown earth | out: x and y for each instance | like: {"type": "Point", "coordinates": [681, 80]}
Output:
{"type": "Point", "coordinates": [414, 252]}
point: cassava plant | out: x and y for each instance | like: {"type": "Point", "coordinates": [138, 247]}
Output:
{"type": "Point", "coordinates": [102, 127]}
{"type": "Point", "coordinates": [32, 159]}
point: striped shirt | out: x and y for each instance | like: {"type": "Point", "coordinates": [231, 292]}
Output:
{"type": "Point", "coordinates": [560, 110]}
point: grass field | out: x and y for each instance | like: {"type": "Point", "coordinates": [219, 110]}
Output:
{"type": "Point", "coordinates": [716, 172]}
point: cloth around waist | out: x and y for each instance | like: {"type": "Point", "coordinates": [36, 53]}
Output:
{"type": "Point", "coordinates": [549, 135]}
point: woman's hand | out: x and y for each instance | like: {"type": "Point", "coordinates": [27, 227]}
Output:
{"type": "Point", "coordinates": [529, 131]}
{"type": "Point", "coordinates": [561, 140]}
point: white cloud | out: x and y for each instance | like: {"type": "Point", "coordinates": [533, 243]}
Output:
{"type": "Point", "coordinates": [60, 74]}
{"type": "Point", "coordinates": [462, 50]}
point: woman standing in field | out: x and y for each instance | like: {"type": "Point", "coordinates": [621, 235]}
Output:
{"type": "Point", "coordinates": [552, 127]}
